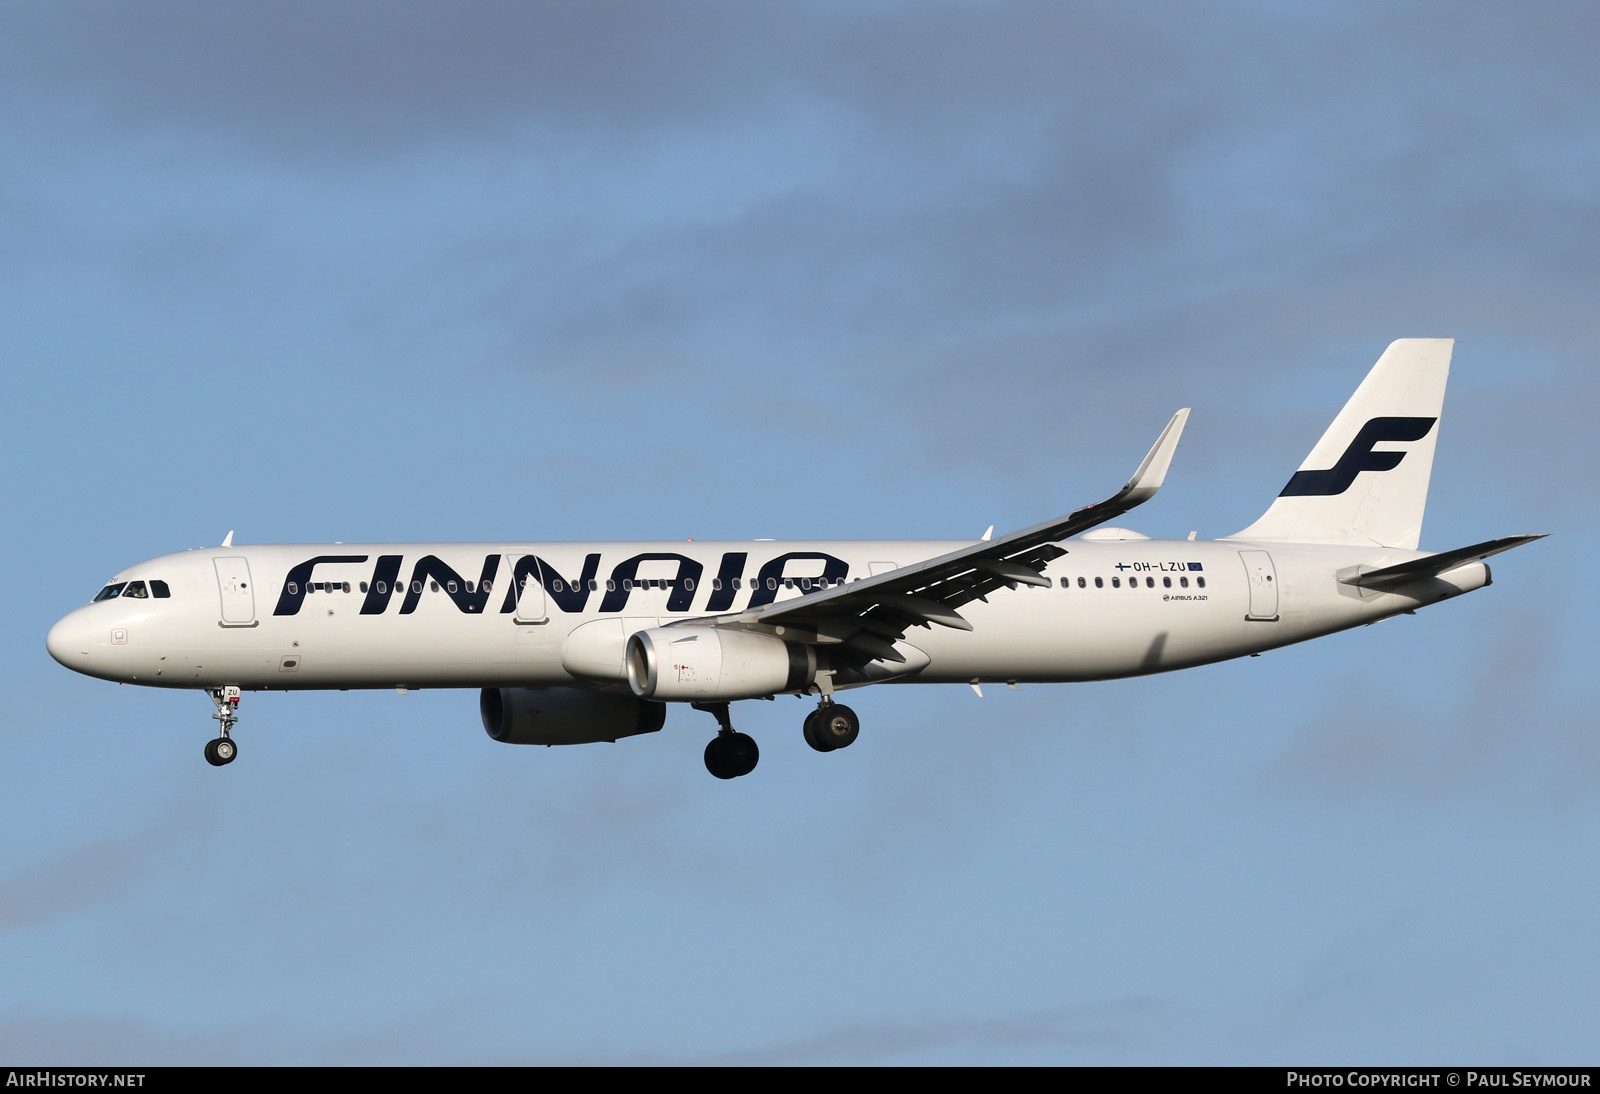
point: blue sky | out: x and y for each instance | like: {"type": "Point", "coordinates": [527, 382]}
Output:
{"type": "Point", "coordinates": [354, 271]}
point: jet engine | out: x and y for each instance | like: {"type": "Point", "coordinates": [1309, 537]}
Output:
{"type": "Point", "coordinates": [565, 716]}
{"type": "Point", "coordinates": [715, 664]}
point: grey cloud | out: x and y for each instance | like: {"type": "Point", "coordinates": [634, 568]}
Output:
{"type": "Point", "coordinates": [1140, 221]}
{"type": "Point", "coordinates": [1070, 204]}
{"type": "Point", "coordinates": [435, 1038]}
{"type": "Point", "coordinates": [361, 77]}
{"type": "Point", "coordinates": [93, 1041]}
{"type": "Point", "coordinates": [994, 164]}
{"type": "Point", "coordinates": [81, 1041]}
{"type": "Point", "coordinates": [1085, 1028]}
{"type": "Point", "coordinates": [1510, 738]}
{"type": "Point", "coordinates": [82, 877]}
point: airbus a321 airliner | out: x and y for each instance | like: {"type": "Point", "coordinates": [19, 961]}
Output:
{"type": "Point", "coordinates": [573, 643]}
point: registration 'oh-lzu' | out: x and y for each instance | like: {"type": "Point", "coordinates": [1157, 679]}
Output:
{"type": "Point", "coordinates": [580, 642]}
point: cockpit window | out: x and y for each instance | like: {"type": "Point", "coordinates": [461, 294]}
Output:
{"type": "Point", "coordinates": [136, 589]}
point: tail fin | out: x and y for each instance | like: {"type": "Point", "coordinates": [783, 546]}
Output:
{"type": "Point", "coordinates": [1366, 481]}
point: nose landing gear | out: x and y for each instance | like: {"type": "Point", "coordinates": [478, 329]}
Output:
{"type": "Point", "coordinates": [222, 750]}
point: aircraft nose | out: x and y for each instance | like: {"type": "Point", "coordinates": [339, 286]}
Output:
{"type": "Point", "coordinates": [68, 641]}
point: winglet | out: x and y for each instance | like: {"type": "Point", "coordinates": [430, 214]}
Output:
{"type": "Point", "coordinates": [1153, 471]}
{"type": "Point", "coordinates": [227, 540]}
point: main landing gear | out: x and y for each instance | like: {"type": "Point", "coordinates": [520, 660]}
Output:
{"type": "Point", "coordinates": [730, 754]}
{"type": "Point", "coordinates": [831, 726]}
{"type": "Point", "coordinates": [223, 750]}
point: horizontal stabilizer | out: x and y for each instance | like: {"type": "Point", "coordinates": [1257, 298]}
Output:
{"type": "Point", "coordinates": [1433, 565]}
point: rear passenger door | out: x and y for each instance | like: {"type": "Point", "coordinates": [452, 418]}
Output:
{"type": "Point", "coordinates": [1263, 585]}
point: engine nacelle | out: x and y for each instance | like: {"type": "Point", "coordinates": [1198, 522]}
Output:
{"type": "Point", "coordinates": [565, 716]}
{"type": "Point", "coordinates": [711, 663]}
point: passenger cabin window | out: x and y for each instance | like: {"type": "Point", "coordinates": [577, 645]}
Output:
{"type": "Point", "coordinates": [110, 592]}
{"type": "Point", "coordinates": [1099, 583]}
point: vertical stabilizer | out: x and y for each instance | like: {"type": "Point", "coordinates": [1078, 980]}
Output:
{"type": "Point", "coordinates": [1366, 481]}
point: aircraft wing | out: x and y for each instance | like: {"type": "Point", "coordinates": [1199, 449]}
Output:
{"type": "Point", "coordinates": [871, 614]}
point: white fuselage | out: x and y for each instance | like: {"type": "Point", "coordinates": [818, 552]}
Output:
{"type": "Point", "coordinates": [288, 617]}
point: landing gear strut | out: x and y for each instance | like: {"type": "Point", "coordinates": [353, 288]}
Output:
{"type": "Point", "coordinates": [832, 725]}
{"type": "Point", "coordinates": [730, 754]}
{"type": "Point", "coordinates": [223, 750]}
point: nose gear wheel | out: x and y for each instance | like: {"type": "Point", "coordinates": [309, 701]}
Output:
{"type": "Point", "coordinates": [222, 750]}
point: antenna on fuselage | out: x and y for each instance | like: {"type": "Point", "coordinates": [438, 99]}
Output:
{"type": "Point", "coordinates": [227, 540]}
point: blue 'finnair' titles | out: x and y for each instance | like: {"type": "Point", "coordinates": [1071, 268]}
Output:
{"type": "Point", "coordinates": [572, 643]}
{"type": "Point", "coordinates": [570, 594]}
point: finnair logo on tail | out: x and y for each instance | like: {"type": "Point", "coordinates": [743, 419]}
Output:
{"type": "Point", "coordinates": [1360, 457]}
